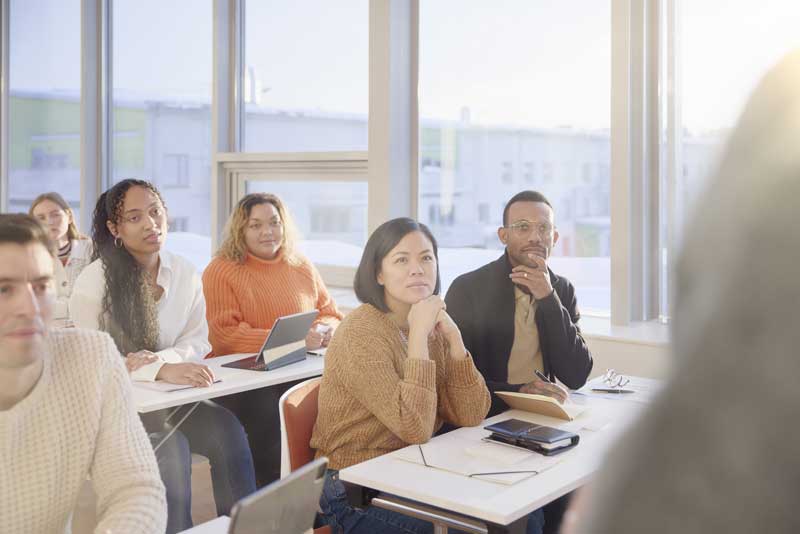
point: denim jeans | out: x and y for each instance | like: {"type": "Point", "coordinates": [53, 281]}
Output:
{"type": "Point", "coordinates": [215, 433]}
{"type": "Point", "coordinates": [343, 518]}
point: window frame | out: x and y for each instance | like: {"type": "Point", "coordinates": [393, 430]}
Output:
{"type": "Point", "coordinates": [644, 128]}
{"type": "Point", "coordinates": [233, 170]}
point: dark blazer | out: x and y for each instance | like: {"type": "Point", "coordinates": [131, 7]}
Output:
{"type": "Point", "coordinates": [482, 304]}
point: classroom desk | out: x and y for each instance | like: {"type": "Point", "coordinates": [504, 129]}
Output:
{"type": "Point", "coordinates": [233, 381]}
{"type": "Point", "coordinates": [484, 506]}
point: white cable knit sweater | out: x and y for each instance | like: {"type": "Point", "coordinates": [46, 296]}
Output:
{"type": "Point", "coordinates": [78, 421]}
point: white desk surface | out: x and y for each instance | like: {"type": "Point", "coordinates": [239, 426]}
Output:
{"type": "Point", "coordinates": [233, 381]}
{"type": "Point", "coordinates": [492, 502]}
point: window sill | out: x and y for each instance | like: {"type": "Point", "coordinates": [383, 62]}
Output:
{"type": "Point", "coordinates": [652, 333]}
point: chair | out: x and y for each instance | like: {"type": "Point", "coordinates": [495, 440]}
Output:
{"type": "Point", "coordinates": [298, 413]}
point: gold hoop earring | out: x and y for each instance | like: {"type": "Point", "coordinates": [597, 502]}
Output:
{"type": "Point", "coordinates": [118, 242]}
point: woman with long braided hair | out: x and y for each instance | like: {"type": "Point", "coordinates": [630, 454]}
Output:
{"type": "Point", "coordinates": [151, 303]}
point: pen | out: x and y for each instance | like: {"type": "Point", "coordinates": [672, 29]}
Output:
{"type": "Point", "coordinates": [610, 390]}
{"type": "Point", "coordinates": [541, 376]}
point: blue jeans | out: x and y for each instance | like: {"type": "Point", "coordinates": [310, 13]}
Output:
{"type": "Point", "coordinates": [214, 432]}
{"type": "Point", "coordinates": [343, 518]}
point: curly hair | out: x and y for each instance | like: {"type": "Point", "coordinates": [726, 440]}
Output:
{"type": "Point", "coordinates": [129, 312]}
{"type": "Point", "coordinates": [233, 247]}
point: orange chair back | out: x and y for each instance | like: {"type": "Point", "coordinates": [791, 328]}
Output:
{"type": "Point", "coordinates": [300, 414]}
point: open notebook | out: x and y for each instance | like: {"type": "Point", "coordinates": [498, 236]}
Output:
{"type": "Point", "coordinates": [466, 453]}
{"type": "Point", "coordinates": [541, 404]}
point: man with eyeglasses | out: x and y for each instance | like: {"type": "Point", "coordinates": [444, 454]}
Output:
{"type": "Point", "coordinates": [516, 315]}
{"type": "Point", "coordinates": [518, 319]}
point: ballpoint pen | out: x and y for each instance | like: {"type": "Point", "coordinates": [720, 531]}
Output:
{"type": "Point", "coordinates": [612, 390]}
{"type": "Point", "coordinates": [541, 376]}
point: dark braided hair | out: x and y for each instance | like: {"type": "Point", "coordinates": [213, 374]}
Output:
{"type": "Point", "coordinates": [129, 312]}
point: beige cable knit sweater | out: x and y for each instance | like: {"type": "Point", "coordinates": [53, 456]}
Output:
{"type": "Point", "coordinates": [374, 399]}
{"type": "Point", "coordinates": [78, 421]}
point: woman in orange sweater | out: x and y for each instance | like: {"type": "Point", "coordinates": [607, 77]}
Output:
{"type": "Point", "coordinates": [256, 277]}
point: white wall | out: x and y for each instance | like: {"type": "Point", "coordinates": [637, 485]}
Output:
{"type": "Point", "coordinates": [629, 357]}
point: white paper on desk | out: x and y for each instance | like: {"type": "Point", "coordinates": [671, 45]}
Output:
{"type": "Point", "coordinates": [166, 387]}
{"type": "Point", "coordinates": [479, 457]}
{"type": "Point", "coordinates": [645, 389]}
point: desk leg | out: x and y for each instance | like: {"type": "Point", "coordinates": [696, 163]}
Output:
{"type": "Point", "coordinates": [177, 426]}
{"type": "Point", "coordinates": [517, 527]}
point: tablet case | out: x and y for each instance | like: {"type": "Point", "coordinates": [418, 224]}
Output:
{"type": "Point", "coordinates": [538, 438]}
{"type": "Point", "coordinates": [284, 345]}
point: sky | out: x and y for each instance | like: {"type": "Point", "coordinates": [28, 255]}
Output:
{"type": "Point", "coordinates": [532, 63]}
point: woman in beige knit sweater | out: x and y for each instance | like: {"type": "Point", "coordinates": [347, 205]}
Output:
{"type": "Point", "coordinates": [395, 371]}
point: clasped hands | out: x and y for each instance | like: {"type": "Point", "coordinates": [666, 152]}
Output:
{"type": "Point", "coordinates": [430, 314]}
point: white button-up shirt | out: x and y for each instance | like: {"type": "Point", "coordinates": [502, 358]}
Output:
{"type": "Point", "coordinates": [183, 331]}
{"type": "Point", "coordinates": [65, 275]}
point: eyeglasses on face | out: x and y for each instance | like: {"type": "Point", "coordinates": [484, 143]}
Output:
{"type": "Point", "coordinates": [524, 228]}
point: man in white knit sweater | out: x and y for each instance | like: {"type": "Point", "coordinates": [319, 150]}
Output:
{"type": "Point", "coordinates": [65, 408]}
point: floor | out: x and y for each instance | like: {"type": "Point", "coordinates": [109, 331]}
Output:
{"type": "Point", "coordinates": [203, 508]}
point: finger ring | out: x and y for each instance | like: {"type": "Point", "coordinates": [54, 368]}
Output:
{"type": "Point", "coordinates": [525, 275]}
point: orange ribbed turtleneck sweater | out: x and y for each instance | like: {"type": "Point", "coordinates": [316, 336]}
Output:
{"type": "Point", "coordinates": [244, 299]}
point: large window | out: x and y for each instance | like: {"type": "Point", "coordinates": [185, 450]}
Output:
{"type": "Point", "coordinates": [323, 211]}
{"type": "Point", "coordinates": [306, 75]}
{"type": "Point", "coordinates": [162, 74]}
{"type": "Point", "coordinates": [44, 101]}
{"type": "Point", "coordinates": [742, 43]}
{"type": "Point", "coordinates": [742, 40]}
{"type": "Point", "coordinates": [513, 95]}
{"type": "Point", "coordinates": [516, 97]}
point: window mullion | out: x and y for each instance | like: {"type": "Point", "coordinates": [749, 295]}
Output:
{"type": "Point", "coordinates": [226, 103]}
{"type": "Point", "coordinates": [96, 104]}
{"type": "Point", "coordinates": [5, 27]}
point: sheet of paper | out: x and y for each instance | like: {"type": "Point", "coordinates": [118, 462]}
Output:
{"type": "Point", "coordinates": [165, 387]}
{"type": "Point", "coordinates": [644, 389]}
{"type": "Point", "coordinates": [483, 460]}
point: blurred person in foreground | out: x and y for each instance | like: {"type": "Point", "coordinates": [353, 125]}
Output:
{"type": "Point", "coordinates": [66, 413]}
{"type": "Point", "coordinates": [717, 452]}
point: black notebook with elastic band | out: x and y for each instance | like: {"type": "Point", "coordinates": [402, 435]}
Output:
{"type": "Point", "coordinates": [539, 438]}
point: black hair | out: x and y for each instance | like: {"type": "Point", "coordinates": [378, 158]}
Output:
{"type": "Point", "coordinates": [524, 196]}
{"type": "Point", "coordinates": [22, 229]}
{"type": "Point", "coordinates": [129, 312]}
{"type": "Point", "coordinates": [379, 244]}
